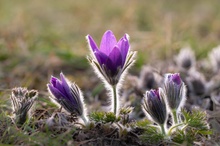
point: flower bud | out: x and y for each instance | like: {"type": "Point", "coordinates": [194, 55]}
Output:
{"type": "Point", "coordinates": [154, 106]}
{"type": "Point", "coordinates": [175, 91]}
{"type": "Point", "coordinates": [67, 94]}
{"type": "Point", "coordinates": [22, 101]}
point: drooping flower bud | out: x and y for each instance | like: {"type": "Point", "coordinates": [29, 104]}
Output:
{"type": "Point", "coordinates": [68, 95]}
{"type": "Point", "coordinates": [154, 106]}
{"type": "Point", "coordinates": [175, 91]}
{"type": "Point", "coordinates": [22, 101]}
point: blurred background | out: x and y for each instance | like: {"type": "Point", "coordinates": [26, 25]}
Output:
{"type": "Point", "coordinates": [40, 38]}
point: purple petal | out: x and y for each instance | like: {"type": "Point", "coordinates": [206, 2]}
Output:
{"type": "Point", "coordinates": [60, 88]}
{"type": "Point", "coordinates": [101, 57]}
{"type": "Point", "coordinates": [176, 78]}
{"type": "Point", "coordinates": [108, 42]}
{"type": "Point", "coordinates": [53, 81]}
{"type": "Point", "coordinates": [124, 46]}
{"type": "Point", "coordinates": [114, 61]}
{"type": "Point", "coordinates": [65, 86]}
{"type": "Point", "coordinates": [153, 93]}
{"type": "Point", "coordinates": [156, 92]}
{"type": "Point", "coordinates": [111, 67]}
{"type": "Point", "coordinates": [92, 43]}
{"type": "Point", "coordinates": [56, 93]}
{"type": "Point", "coordinates": [116, 57]}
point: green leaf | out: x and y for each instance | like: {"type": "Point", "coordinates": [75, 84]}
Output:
{"type": "Point", "coordinates": [143, 123]}
{"type": "Point", "coordinates": [195, 127]}
{"type": "Point", "coordinates": [97, 116]}
{"type": "Point", "coordinates": [125, 110]}
{"type": "Point", "coordinates": [109, 117]}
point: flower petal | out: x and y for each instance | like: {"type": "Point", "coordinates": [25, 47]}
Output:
{"type": "Point", "coordinates": [114, 61]}
{"type": "Point", "coordinates": [59, 87]}
{"type": "Point", "coordinates": [108, 42]}
{"type": "Point", "coordinates": [116, 57]}
{"type": "Point", "coordinates": [110, 67]}
{"type": "Point", "coordinates": [65, 86]}
{"type": "Point", "coordinates": [92, 43]}
{"type": "Point", "coordinates": [176, 79]}
{"type": "Point", "coordinates": [57, 94]}
{"type": "Point", "coordinates": [53, 81]}
{"type": "Point", "coordinates": [124, 46]}
{"type": "Point", "coordinates": [101, 57]}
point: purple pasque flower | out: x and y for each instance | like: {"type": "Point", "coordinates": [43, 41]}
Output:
{"type": "Point", "coordinates": [67, 94]}
{"type": "Point", "coordinates": [154, 106]}
{"type": "Point", "coordinates": [175, 91]}
{"type": "Point", "coordinates": [112, 58]}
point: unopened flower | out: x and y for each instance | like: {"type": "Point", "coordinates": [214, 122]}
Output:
{"type": "Point", "coordinates": [22, 101]}
{"type": "Point", "coordinates": [68, 95]}
{"type": "Point", "coordinates": [112, 58]}
{"type": "Point", "coordinates": [154, 106]}
{"type": "Point", "coordinates": [186, 58]}
{"type": "Point", "coordinates": [175, 91]}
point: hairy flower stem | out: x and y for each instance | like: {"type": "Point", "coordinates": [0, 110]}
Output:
{"type": "Point", "coordinates": [163, 129]}
{"type": "Point", "coordinates": [175, 118]}
{"type": "Point", "coordinates": [114, 98]}
{"type": "Point", "coordinates": [85, 119]}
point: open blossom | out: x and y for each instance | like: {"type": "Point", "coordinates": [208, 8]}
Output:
{"type": "Point", "coordinates": [112, 58]}
{"type": "Point", "coordinates": [175, 91]}
{"type": "Point", "coordinates": [154, 106]}
{"type": "Point", "coordinates": [67, 94]}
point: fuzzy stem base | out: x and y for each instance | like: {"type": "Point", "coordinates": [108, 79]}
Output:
{"type": "Point", "coordinates": [85, 119]}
